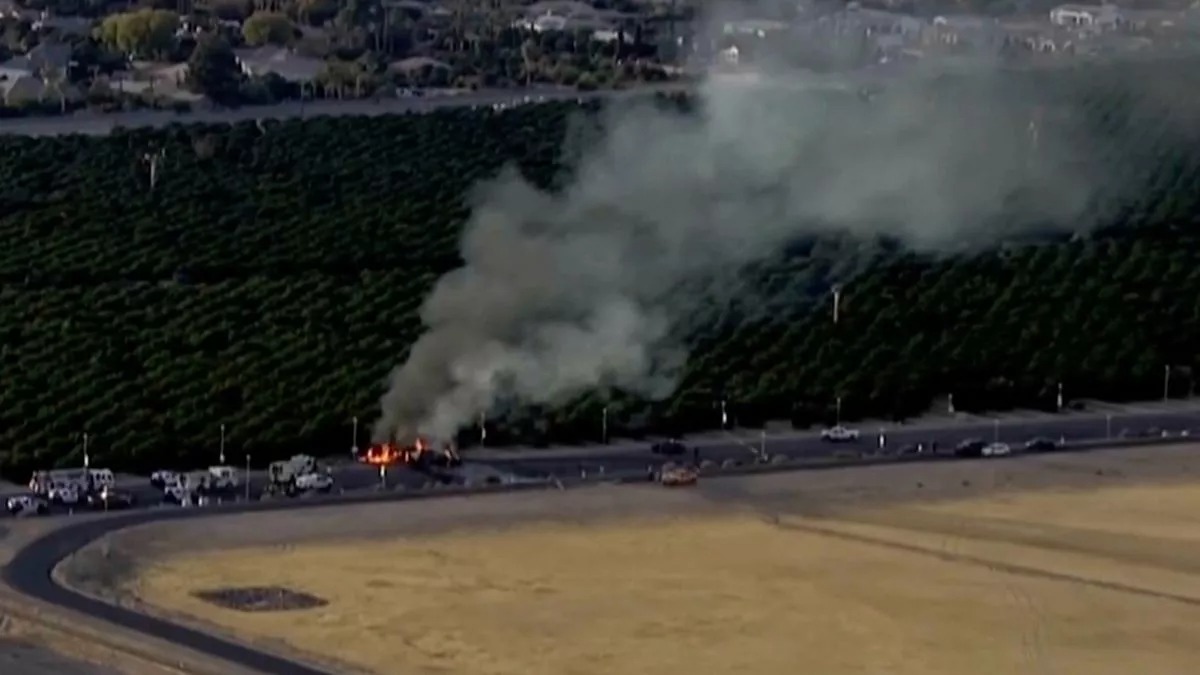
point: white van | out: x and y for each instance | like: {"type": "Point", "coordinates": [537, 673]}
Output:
{"type": "Point", "coordinates": [100, 479]}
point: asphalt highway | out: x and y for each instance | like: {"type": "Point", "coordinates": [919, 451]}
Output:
{"type": "Point", "coordinates": [30, 570]}
{"type": "Point", "coordinates": [627, 458]}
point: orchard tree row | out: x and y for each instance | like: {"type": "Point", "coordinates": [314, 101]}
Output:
{"type": "Point", "coordinates": [271, 276]}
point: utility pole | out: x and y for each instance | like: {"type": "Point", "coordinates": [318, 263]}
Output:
{"type": "Point", "coordinates": [604, 425]}
{"type": "Point", "coordinates": [222, 458]}
{"type": "Point", "coordinates": [1166, 382]}
{"type": "Point", "coordinates": [354, 435]}
{"type": "Point", "coordinates": [153, 160]}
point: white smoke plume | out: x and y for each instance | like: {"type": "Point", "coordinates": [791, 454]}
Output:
{"type": "Point", "coordinates": [561, 293]}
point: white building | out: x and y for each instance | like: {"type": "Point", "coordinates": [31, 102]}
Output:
{"type": "Point", "coordinates": [1086, 16]}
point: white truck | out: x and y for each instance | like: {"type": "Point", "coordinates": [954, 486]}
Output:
{"type": "Point", "coordinates": [223, 478]}
{"type": "Point", "coordinates": [297, 475]}
{"type": "Point", "coordinates": [66, 493]}
{"type": "Point", "coordinates": [42, 481]}
{"type": "Point", "coordinates": [100, 480]}
{"type": "Point", "coordinates": [188, 488]}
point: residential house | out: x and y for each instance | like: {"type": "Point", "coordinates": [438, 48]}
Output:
{"type": "Point", "coordinates": [1086, 16]}
{"type": "Point", "coordinates": [880, 22]}
{"type": "Point", "coordinates": [34, 75]}
{"type": "Point", "coordinates": [20, 89]}
{"type": "Point", "coordinates": [10, 9]}
{"type": "Point", "coordinates": [64, 26]}
{"type": "Point", "coordinates": [416, 63]}
{"type": "Point", "coordinates": [979, 32]}
{"type": "Point", "coordinates": [1161, 21]}
{"type": "Point", "coordinates": [567, 15]}
{"type": "Point", "coordinates": [759, 28]}
{"type": "Point", "coordinates": [41, 59]}
{"type": "Point", "coordinates": [157, 80]}
{"type": "Point", "coordinates": [1035, 37]}
{"type": "Point", "coordinates": [279, 61]}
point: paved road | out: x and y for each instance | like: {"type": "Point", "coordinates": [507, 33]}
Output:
{"type": "Point", "coordinates": [29, 572]}
{"type": "Point", "coordinates": [95, 124]}
{"type": "Point", "coordinates": [633, 458]}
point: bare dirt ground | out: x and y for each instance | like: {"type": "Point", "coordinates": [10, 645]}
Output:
{"type": "Point", "coordinates": [1085, 563]}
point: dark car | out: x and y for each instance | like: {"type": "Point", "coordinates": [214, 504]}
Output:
{"type": "Point", "coordinates": [1041, 445]}
{"type": "Point", "coordinates": [111, 499]}
{"type": "Point", "coordinates": [971, 447]}
{"type": "Point", "coordinates": [671, 447]}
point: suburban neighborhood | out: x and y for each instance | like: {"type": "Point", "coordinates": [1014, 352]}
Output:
{"type": "Point", "coordinates": [224, 53]}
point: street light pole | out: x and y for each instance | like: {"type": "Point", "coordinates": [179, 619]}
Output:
{"type": "Point", "coordinates": [1060, 397]}
{"type": "Point", "coordinates": [837, 302]}
{"type": "Point", "coordinates": [604, 425]}
{"type": "Point", "coordinates": [482, 429]}
{"type": "Point", "coordinates": [1166, 382]}
{"type": "Point", "coordinates": [222, 458]}
{"type": "Point", "coordinates": [354, 435]}
{"type": "Point", "coordinates": [86, 459]}
{"type": "Point", "coordinates": [247, 476]}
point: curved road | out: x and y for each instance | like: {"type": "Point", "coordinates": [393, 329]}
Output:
{"type": "Point", "coordinates": [30, 571]}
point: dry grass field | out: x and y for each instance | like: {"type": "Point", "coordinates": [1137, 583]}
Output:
{"type": "Point", "coordinates": [1102, 578]}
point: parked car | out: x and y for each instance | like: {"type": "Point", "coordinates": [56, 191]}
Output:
{"type": "Point", "coordinates": [27, 505]}
{"type": "Point", "coordinates": [671, 447]}
{"type": "Point", "coordinates": [996, 450]}
{"type": "Point", "coordinates": [1041, 445]}
{"type": "Point", "coordinates": [839, 434]}
{"type": "Point", "coordinates": [111, 499]}
{"type": "Point", "coordinates": [971, 447]}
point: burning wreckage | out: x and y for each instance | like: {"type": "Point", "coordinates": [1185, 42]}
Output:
{"type": "Point", "coordinates": [420, 457]}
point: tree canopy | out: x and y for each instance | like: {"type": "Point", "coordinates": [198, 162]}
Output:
{"type": "Point", "coordinates": [263, 28]}
{"type": "Point", "coordinates": [144, 33]}
{"type": "Point", "coordinates": [272, 279]}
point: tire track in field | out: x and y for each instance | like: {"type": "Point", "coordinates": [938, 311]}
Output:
{"type": "Point", "coordinates": [985, 563]}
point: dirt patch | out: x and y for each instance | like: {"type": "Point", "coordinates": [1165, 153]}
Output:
{"type": "Point", "coordinates": [261, 599]}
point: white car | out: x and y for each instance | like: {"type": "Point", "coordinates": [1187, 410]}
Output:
{"type": "Point", "coordinates": [996, 450]}
{"type": "Point", "coordinates": [27, 505]}
{"type": "Point", "coordinates": [839, 434]}
{"type": "Point", "coordinates": [314, 482]}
